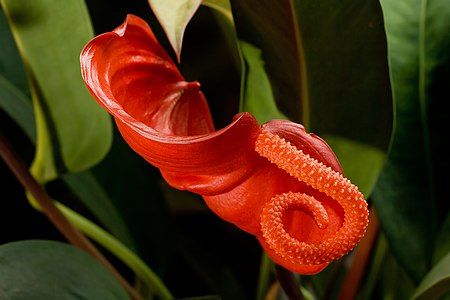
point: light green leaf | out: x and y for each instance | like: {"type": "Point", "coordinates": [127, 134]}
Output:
{"type": "Point", "coordinates": [174, 16]}
{"type": "Point", "coordinates": [258, 96]}
{"type": "Point", "coordinates": [436, 282]}
{"type": "Point", "coordinates": [50, 35]}
{"type": "Point", "coordinates": [52, 270]}
{"type": "Point", "coordinates": [411, 194]}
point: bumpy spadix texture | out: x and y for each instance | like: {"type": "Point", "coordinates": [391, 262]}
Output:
{"type": "Point", "coordinates": [323, 179]}
{"type": "Point", "coordinates": [167, 121]}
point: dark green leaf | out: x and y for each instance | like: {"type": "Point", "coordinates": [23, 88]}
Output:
{"type": "Point", "coordinates": [133, 187]}
{"type": "Point", "coordinates": [53, 270]}
{"type": "Point", "coordinates": [435, 283]}
{"type": "Point", "coordinates": [327, 64]}
{"type": "Point", "coordinates": [411, 190]}
{"type": "Point", "coordinates": [14, 93]}
{"type": "Point", "coordinates": [93, 196]}
{"type": "Point", "coordinates": [212, 270]}
{"type": "Point", "coordinates": [208, 297]}
{"type": "Point", "coordinates": [443, 241]}
{"type": "Point", "coordinates": [394, 282]}
{"type": "Point", "coordinates": [77, 129]}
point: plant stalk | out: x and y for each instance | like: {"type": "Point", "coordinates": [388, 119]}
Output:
{"type": "Point", "coordinates": [74, 236]}
{"type": "Point", "coordinates": [288, 283]}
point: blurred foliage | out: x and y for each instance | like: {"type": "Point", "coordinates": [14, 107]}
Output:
{"type": "Point", "coordinates": [322, 63]}
{"type": "Point", "coordinates": [411, 192]}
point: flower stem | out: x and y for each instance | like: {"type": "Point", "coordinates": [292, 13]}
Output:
{"type": "Point", "coordinates": [264, 276]}
{"type": "Point", "coordinates": [288, 283]}
{"type": "Point", "coordinates": [117, 248]}
{"type": "Point", "coordinates": [41, 197]}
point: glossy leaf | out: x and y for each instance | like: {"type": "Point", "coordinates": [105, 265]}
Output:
{"type": "Point", "coordinates": [41, 29]}
{"type": "Point", "coordinates": [53, 270]}
{"type": "Point", "coordinates": [436, 282]}
{"type": "Point", "coordinates": [174, 16]}
{"type": "Point", "coordinates": [414, 181]}
{"type": "Point", "coordinates": [93, 196]}
{"type": "Point", "coordinates": [258, 96]}
{"type": "Point", "coordinates": [14, 92]}
{"type": "Point", "coordinates": [310, 74]}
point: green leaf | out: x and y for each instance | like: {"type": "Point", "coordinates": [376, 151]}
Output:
{"type": "Point", "coordinates": [394, 282]}
{"type": "Point", "coordinates": [174, 16]}
{"type": "Point", "coordinates": [410, 193]}
{"type": "Point", "coordinates": [222, 6]}
{"type": "Point", "coordinates": [268, 23]}
{"type": "Point", "coordinates": [327, 65]}
{"type": "Point", "coordinates": [53, 270]}
{"type": "Point", "coordinates": [442, 241]}
{"type": "Point", "coordinates": [352, 155]}
{"type": "Point", "coordinates": [14, 92]}
{"type": "Point", "coordinates": [436, 282]}
{"type": "Point", "coordinates": [92, 194]}
{"type": "Point", "coordinates": [50, 35]}
{"type": "Point", "coordinates": [134, 190]}
{"type": "Point", "coordinates": [258, 96]}
{"type": "Point", "coordinates": [211, 269]}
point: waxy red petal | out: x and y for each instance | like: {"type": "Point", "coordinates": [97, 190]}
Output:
{"type": "Point", "coordinates": [167, 121]}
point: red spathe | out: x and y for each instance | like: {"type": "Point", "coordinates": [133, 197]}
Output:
{"type": "Point", "coordinates": [167, 121]}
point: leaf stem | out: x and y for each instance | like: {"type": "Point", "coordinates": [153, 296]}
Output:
{"type": "Point", "coordinates": [72, 234]}
{"type": "Point", "coordinates": [264, 275]}
{"type": "Point", "coordinates": [288, 283]}
{"type": "Point", "coordinates": [117, 248]}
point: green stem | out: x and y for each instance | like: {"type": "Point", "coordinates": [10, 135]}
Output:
{"type": "Point", "coordinates": [264, 276]}
{"type": "Point", "coordinates": [113, 245]}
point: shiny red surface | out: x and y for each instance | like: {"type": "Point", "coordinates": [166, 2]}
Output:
{"type": "Point", "coordinates": [167, 121]}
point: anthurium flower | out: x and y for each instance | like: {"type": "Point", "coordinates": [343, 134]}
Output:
{"type": "Point", "coordinates": [275, 181]}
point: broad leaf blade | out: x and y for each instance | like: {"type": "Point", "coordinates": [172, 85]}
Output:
{"type": "Point", "coordinates": [79, 129]}
{"type": "Point", "coordinates": [323, 75]}
{"type": "Point", "coordinates": [174, 16]}
{"type": "Point", "coordinates": [408, 192]}
{"type": "Point", "coordinates": [435, 283]}
{"type": "Point", "coordinates": [270, 26]}
{"type": "Point", "coordinates": [53, 270]}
